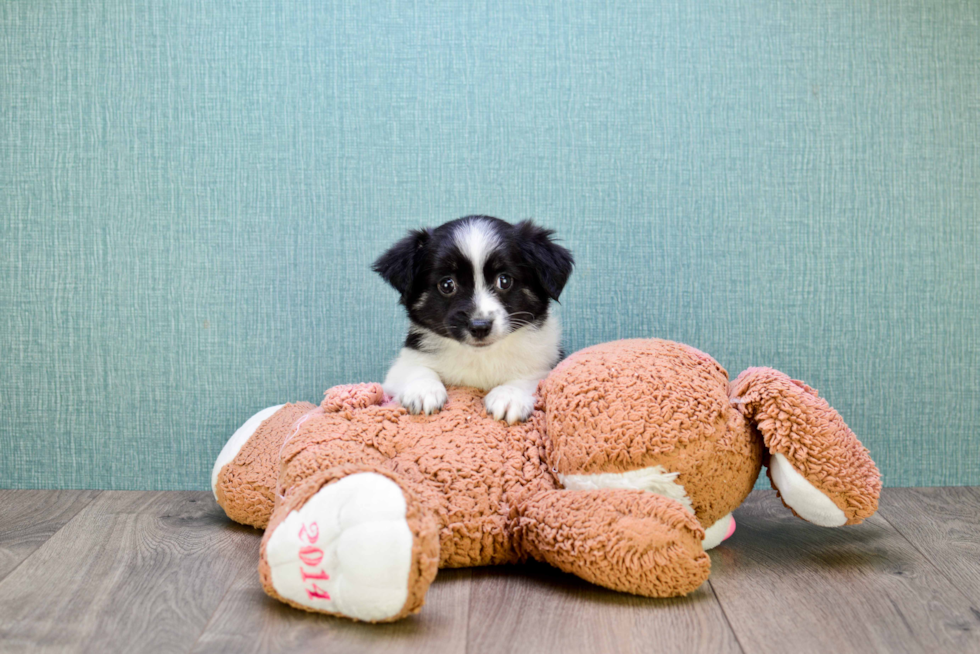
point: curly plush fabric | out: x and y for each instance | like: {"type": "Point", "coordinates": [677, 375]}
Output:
{"type": "Point", "coordinates": [471, 471]}
{"type": "Point", "coordinates": [799, 424]}
{"type": "Point", "coordinates": [641, 403]}
{"type": "Point", "coordinates": [657, 545]}
{"type": "Point", "coordinates": [486, 487]}
{"type": "Point", "coordinates": [634, 449]}
{"type": "Point", "coordinates": [246, 487]}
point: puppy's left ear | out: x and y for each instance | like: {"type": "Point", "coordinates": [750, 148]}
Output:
{"type": "Point", "coordinates": [551, 262]}
{"type": "Point", "coordinates": [400, 264]}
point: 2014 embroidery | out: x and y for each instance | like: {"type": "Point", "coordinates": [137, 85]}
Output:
{"type": "Point", "coordinates": [311, 557]}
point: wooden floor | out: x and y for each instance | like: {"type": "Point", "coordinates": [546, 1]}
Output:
{"type": "Point", "coordinates": [167, 572]}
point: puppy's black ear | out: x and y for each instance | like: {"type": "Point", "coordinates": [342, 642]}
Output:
{"type": "Point", "coordinates": [399, 265]}
{"type": "Point", "coordinates": [551, 262]}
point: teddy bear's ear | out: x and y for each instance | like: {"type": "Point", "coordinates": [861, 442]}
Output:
{"type": "Point", "coordinates": [551, 262]}
{"type": "Point", "coordinates": [400, 264]}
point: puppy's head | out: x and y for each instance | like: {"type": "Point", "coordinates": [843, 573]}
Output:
{"type": "Point", "coordinates": [477, 279]}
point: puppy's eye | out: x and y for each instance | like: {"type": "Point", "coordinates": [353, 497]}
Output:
{"type": "Point", "coordinates": [447, 286]}
{"type": "Point", "coordinates": [504, 281]}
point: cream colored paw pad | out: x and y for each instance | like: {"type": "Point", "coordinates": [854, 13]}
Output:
{"type": "Point", "coordinates": [347, 550]}
{"type": "Point", "coordinates": [721, 531]}
{"type": "Point", "coordinates": [802, 496]}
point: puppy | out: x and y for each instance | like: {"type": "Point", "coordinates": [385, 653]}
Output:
{"type": "Point", "coordinates": [477, 291]}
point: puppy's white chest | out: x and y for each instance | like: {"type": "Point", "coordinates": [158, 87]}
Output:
{"type": "Point", "coordinates": [479, 369]}
{"type": "Point", "coordinates": [527, 354]}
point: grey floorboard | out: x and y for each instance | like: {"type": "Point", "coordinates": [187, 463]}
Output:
{"type": "Point", "coordinates": [943, 524]}
{"type": "Point", "coordinates": [536, 608]}
{"type": "Point", "coordinates": [167, 572]}
{"type": "Point", "coordinates": [29, 517]}
{"type": "Point", "coordinates": [131, 572]}
{"type": "Point", "coordinates": [249, 621]}
{"type": "Point", "coordinates": [788, 586]}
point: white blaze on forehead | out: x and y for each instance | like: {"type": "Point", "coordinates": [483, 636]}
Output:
{"type": "Point", "coordinates": [476, 239]}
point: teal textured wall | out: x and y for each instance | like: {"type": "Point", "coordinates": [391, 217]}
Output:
{"type": "Point", "coordinates": [191, 194]}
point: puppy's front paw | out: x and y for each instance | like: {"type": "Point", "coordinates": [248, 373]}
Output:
{"type": "Point", "coordinates": [509, 403]}
{"type": "Point", "coordinates": [424, 396]}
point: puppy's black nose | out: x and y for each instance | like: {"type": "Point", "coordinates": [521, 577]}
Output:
{"type": "Point", "coordinates": [480, 328]}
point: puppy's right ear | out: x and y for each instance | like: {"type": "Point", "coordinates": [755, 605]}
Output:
{"type": "Point", "coordinates": [399, 265]}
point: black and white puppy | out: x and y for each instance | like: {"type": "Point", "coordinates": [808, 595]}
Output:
{"type": "Point", "coordinates": [477, 291]}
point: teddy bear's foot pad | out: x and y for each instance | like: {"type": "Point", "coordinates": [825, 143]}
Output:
{"type": "Point", "coordinates": [721, 531]}
{"type": "Point", "coordinates": [803, 497]}
{"type": "Point", "coordinates": [347, 550]}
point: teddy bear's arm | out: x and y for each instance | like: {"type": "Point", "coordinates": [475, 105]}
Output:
{"type": "Point", "coordinates": [352, 396]}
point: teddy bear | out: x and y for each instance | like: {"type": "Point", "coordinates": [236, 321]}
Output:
{"type": "Point", "coordinates": [627, 471]}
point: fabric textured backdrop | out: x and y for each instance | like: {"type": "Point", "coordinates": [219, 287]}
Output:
{"type": "Point", "coordinates": [192, 193]}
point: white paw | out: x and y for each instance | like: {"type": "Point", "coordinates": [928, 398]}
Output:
{"type": "Point", "coordinates": [509, 403]}
{"type": "Point", "coordinates": [802, 496]}
{"type": "Point", "coordinates": [348, 550]}
{"type": "Point", "coordinates": [423, 396]}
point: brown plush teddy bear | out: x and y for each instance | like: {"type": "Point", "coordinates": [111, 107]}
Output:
{"type": "Point", "coordinates": [629, 468]}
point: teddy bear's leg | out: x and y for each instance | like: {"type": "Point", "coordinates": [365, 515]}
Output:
{"type": "Point", "coordinates": [626, 540]}
{"type": "Point", "coordinates": [353, 541]}
{"type": "Point", "coordinates": [244, 476]}
{"type": "Point", "coordinates": [817, 465]}
{"type": "Point", "coordinates": [245, 473]}
{"type": "Point", "coordinates": [660, 482]}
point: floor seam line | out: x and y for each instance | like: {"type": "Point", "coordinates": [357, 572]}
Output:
{"type": "Point", "coordinates": [469, 614]}
{"type": "Point", "coordinates": [217, 607]}
{"type": "Point", "coordinates": [98, 494]}
{"type": "Point", "coordinates": [724, 614]}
